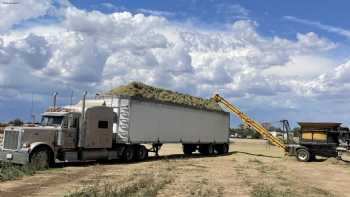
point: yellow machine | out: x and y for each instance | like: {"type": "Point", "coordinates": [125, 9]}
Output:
{"type": "Point", "coordinates": [250, 122]}
{"type": "Point", "coordinates": [323, 139]}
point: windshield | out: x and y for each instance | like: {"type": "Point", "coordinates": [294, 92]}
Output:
{"type": "Point", "coordinates": [51, 120]}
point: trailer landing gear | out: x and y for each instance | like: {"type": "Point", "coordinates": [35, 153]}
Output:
{"type": "Point", "coordinates": [155, 149]}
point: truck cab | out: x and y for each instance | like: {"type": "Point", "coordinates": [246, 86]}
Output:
{"type": "Point", "coordinates": [60, 135]}
{"type": "Point", "coordinates": [56, 129]}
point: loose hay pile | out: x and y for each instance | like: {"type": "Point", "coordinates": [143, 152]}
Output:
{"type": "Point", "coordinates": [143, 91]}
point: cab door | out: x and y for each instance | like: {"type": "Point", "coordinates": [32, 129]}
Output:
{"type": "Point", "coordinates": [70, 131]}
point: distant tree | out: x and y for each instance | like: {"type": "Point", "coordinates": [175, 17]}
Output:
{"type": "Point", "coordinates": [243, 131]}
{"type": "Point", "coordinates": [16, 122]}
{"type": "Point", "coordinates": [296, 131]}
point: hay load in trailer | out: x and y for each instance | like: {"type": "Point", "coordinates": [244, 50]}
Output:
{"type": "Point", "coordinates": [141, 91]}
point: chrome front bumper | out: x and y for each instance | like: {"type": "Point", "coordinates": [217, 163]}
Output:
{"type": "Point", "coordinates": [12, 156]}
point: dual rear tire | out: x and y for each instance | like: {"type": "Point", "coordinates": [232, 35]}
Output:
{"type": "Point", "coordinates": [222, 148]}
{"type": "Point", "coordinates": [135, 153]}
{"type": "Point", "coordinates": [206, 149]}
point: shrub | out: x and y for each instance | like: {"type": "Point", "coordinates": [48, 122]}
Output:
{"type": "Point", "coordinates": [10, 171]}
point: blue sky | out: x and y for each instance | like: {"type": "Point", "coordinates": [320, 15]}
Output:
{"type": "Point", "coordinates": [270, 15]}
{"type": "Point", "coordinates": [275, 18]}
{"type": "Point", "coordinates": [275, 59]}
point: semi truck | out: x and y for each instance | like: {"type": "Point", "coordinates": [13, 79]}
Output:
{"type": "Point", "coordinates": [110, 128]}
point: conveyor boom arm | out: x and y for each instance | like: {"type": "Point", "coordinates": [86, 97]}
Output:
{"type": "Point", "coordinates": [250, 122]}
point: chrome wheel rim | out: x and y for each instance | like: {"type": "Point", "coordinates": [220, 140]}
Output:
{"type": "Point", "coordinates": [302, 155]}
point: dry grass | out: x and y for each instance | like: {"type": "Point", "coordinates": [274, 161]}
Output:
{"type": "Point", "coordinates": [251, 169]}
{"type": "Point", "coordinates": [146, 186]}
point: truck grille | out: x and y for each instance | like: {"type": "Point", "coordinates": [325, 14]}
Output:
{"type": "Point", "coordinates": [11, 140]}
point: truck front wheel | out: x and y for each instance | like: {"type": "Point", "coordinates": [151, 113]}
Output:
{"type": "Point", "coordinates": [40, 159]}
{"type": "Point", "coordinates": [303, 155]}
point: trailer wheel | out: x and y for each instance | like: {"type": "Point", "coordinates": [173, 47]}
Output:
{"type": "Point", "coordinates": [211, 149]}
{"type": "Point", "coordinates": [129, 154]}
{"type": "Point", "coordinates": [303, 155]}
{"type": "Point", "coordinates": [221, 148]}
{"type": "Point", "coordinates": [206, 149]}
{"type": "Point", "coordinates": [40, 158]}
{"type": "Point", "coordinates": [141, 153]}
{"type": "Point", "coordinates": [226, 148]}
{"type": "Point", "coordinates": [188, 149]}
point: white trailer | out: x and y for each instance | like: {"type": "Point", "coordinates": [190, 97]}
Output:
{"type": "Point", "coordinates": [146, 121]}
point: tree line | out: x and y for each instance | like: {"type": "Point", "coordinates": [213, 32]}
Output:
{"type": "Point", "coordinates": [245, 132]}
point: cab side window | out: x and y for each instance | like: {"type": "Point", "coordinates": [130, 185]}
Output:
{"type": "Point", "coordinates": [102, 124]}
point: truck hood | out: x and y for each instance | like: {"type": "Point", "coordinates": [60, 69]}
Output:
{"type": "Point", "coordinates": [37, 134]}
{"type": "Point", "coordinates": [31, 128]}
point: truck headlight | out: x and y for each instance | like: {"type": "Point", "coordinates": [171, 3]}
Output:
{"type": "Point", "coordinates": [25, 145]}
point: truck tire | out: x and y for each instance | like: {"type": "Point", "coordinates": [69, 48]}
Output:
{"type": "Point", "coordinates": [211, 149]}
{"type": "Point", "coordinates": [129, 154]}
{"type": "Point", "coordinates": [40, 158]}
{"type": "Point", "coordinates": [312, 157]}
{"type": "Point", "coordinates": [303, 155]}
{"type": "Point", "coordinates": [203, 149]}
{"type": "Point", "coordinates": [188, 149]}
{"type": "Point", "coordinates": [141, 153]}
{"type": "Point", "coordinates": [221, 148]}
{"type": "Point", "coordinates": [226, 148]}
{"type": "Point", "coordinates": [206, 149]}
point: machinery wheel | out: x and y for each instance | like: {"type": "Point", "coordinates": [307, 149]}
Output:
{"type": "Point", "coordinates": [141, 153]}
{"type": "Point", "coordinates": [187, 149]}
{"type": "Point", "coordinates": [40, 159]}
{"type": "Point", "coordinates": [303, 155]}
{"type": "Point", "coordinates": [129, 154]}
{"type": "Point", "coordinates": [312, 157]}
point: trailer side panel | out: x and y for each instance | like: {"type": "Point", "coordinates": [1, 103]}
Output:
{"type": "Point", "coordinates": [152, 122]}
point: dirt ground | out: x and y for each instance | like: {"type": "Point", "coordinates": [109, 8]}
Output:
{"type": "Point", "coordinates": [252, 168]}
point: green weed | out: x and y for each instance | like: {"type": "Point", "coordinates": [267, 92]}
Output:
{"type": "Point", "coordinates": [10, 171]}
